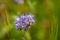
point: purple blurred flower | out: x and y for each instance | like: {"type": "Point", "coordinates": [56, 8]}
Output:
{"type": "Point", "coordinates": [19, 1]}
{"type": "Point", "coordinates": [24, 21]}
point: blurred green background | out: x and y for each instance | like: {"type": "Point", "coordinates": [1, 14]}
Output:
{"type": "Point", "coordinates": [46, 19]}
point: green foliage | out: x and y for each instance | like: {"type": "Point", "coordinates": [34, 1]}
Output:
{"type": "Point", "coordinates": [46, 20]}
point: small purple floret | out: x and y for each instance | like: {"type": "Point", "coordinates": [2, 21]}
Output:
{"type": "Point", "coordinates": [24, 21]}
{"type": "Point", "coordinates": [19, 1]}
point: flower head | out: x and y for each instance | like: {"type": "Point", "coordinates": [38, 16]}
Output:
{"type": "Point", "coordinates": [19, 1]}
{"type": "Point", "coordinates": [24, 21]}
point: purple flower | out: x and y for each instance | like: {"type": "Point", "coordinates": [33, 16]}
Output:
{"type": "Point", "coordinates": [19, 1]}
{"type": "Point", "coordinates": [24, 21]}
